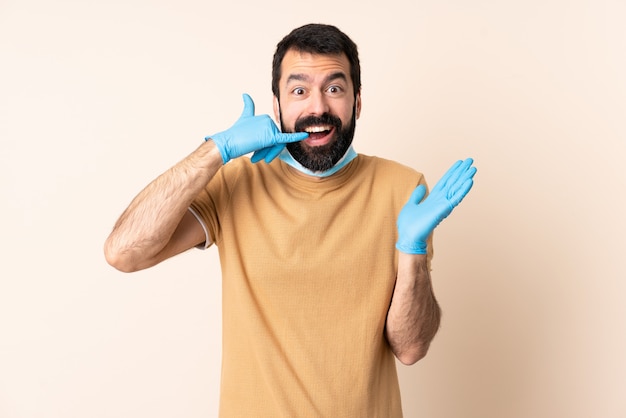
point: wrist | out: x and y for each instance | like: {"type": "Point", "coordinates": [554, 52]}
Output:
{"type": "Point", "coordinates": [413, 248]}
{"type": "Point", "coordinates": [212, 153]}
{"type": "Point", "coordinates": [413, 265]}
{"type": "Point", "coordinates": [413, 259]}
{"type": "Point", "coordinates": [220, 147]}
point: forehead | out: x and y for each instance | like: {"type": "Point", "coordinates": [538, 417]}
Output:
{"type": "Point", "coordinates": [313, 65]}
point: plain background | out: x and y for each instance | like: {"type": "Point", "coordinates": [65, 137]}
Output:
{"type": "Point", "coordinates": [99, 97]}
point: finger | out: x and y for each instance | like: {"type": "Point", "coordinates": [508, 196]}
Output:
{"type": "Point", "coordinates": [460, 171]}
{"type": "Point", "coordinates": [443, 181]}
{"type": "Point", "coordinates": [283, 138]}
{"type": "Point", "coordinates": [418, 194]}
{"type": "Point", "coordinates": [461, 192]}
{"type": "Point", "coordinates": [467, 174]}
{"type": "Point", "coordinates": [248, 106]}
{"type": "Point", "coordinates": [268, 154]}
{"type": "Point", "coordinates": [258, 155]}
{"type": "Point", "coordinates": [456, 174]}
{"type": "Point", "coordinates": [273, 152]}
{"type": "Point", "coordinates": [457, 182]}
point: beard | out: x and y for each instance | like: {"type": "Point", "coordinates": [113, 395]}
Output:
{"type": "Point", "coordinates": [323, 157]}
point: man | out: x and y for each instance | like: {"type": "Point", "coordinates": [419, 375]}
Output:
{"type": "Point", "coordinates": [325, 266]}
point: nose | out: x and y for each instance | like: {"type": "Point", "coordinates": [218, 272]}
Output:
{"type": "Point", "coordinates": [317, 104]}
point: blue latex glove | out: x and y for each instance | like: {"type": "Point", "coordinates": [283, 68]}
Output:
{"type": "Point", "coordinates": [418, 218]}
{"type": "Point", "coordinates": [258, 134]}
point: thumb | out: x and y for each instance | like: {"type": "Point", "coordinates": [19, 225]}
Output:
{"type": "Point", "coordinates": [248, 106]}
{"type": "Point", "coordinates": [418, 194]}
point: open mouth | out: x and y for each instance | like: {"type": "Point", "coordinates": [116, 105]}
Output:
{"type": "Point", "coordinates": [319, 134]}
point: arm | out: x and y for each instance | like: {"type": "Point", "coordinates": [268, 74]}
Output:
{"type": "Point", "coordinates": [414, 314]}
{"type": "Point", "coordinates": [157, 225]}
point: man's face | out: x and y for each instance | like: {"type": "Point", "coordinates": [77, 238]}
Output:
{"type": "Point", "coordinates": [317, 96]}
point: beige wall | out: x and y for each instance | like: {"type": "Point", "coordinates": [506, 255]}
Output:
{"type": "Point", "coordinates": [97, 98]}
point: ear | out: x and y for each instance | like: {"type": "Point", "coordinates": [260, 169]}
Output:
{"type": "Point", "coordinates": [276, 106]}
{"type": "Point", "coordinates": [358, 104]}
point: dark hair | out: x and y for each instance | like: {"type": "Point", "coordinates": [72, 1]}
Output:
{"type": "Point", "coordinates": [317, 39]}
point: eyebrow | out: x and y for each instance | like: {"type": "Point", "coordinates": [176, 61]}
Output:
{"type": "Point", "coordinates": [339, 75]}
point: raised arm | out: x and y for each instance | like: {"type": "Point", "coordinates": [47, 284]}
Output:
{"type": "Point", "coordinates": [157, 225]}
{"type": "Point", "coordinates": [414, 314]}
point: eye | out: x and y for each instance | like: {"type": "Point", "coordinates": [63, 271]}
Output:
{"type": "Point", "coordinates": [298, 91]}
{"type": "Point", "coordinates": [334, 89]}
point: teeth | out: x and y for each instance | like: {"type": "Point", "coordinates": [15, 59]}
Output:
{"type": "Point", "coordinates": [314, 129]}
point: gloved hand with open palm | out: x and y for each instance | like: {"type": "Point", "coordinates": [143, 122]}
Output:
{"type": "Point", "coordinates": [418, 218]}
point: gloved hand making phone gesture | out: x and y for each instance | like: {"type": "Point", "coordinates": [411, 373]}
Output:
{"type": "Point", "coordinates": [418, 218]}
{"type": "Point", "coordinates": [258, 134]}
